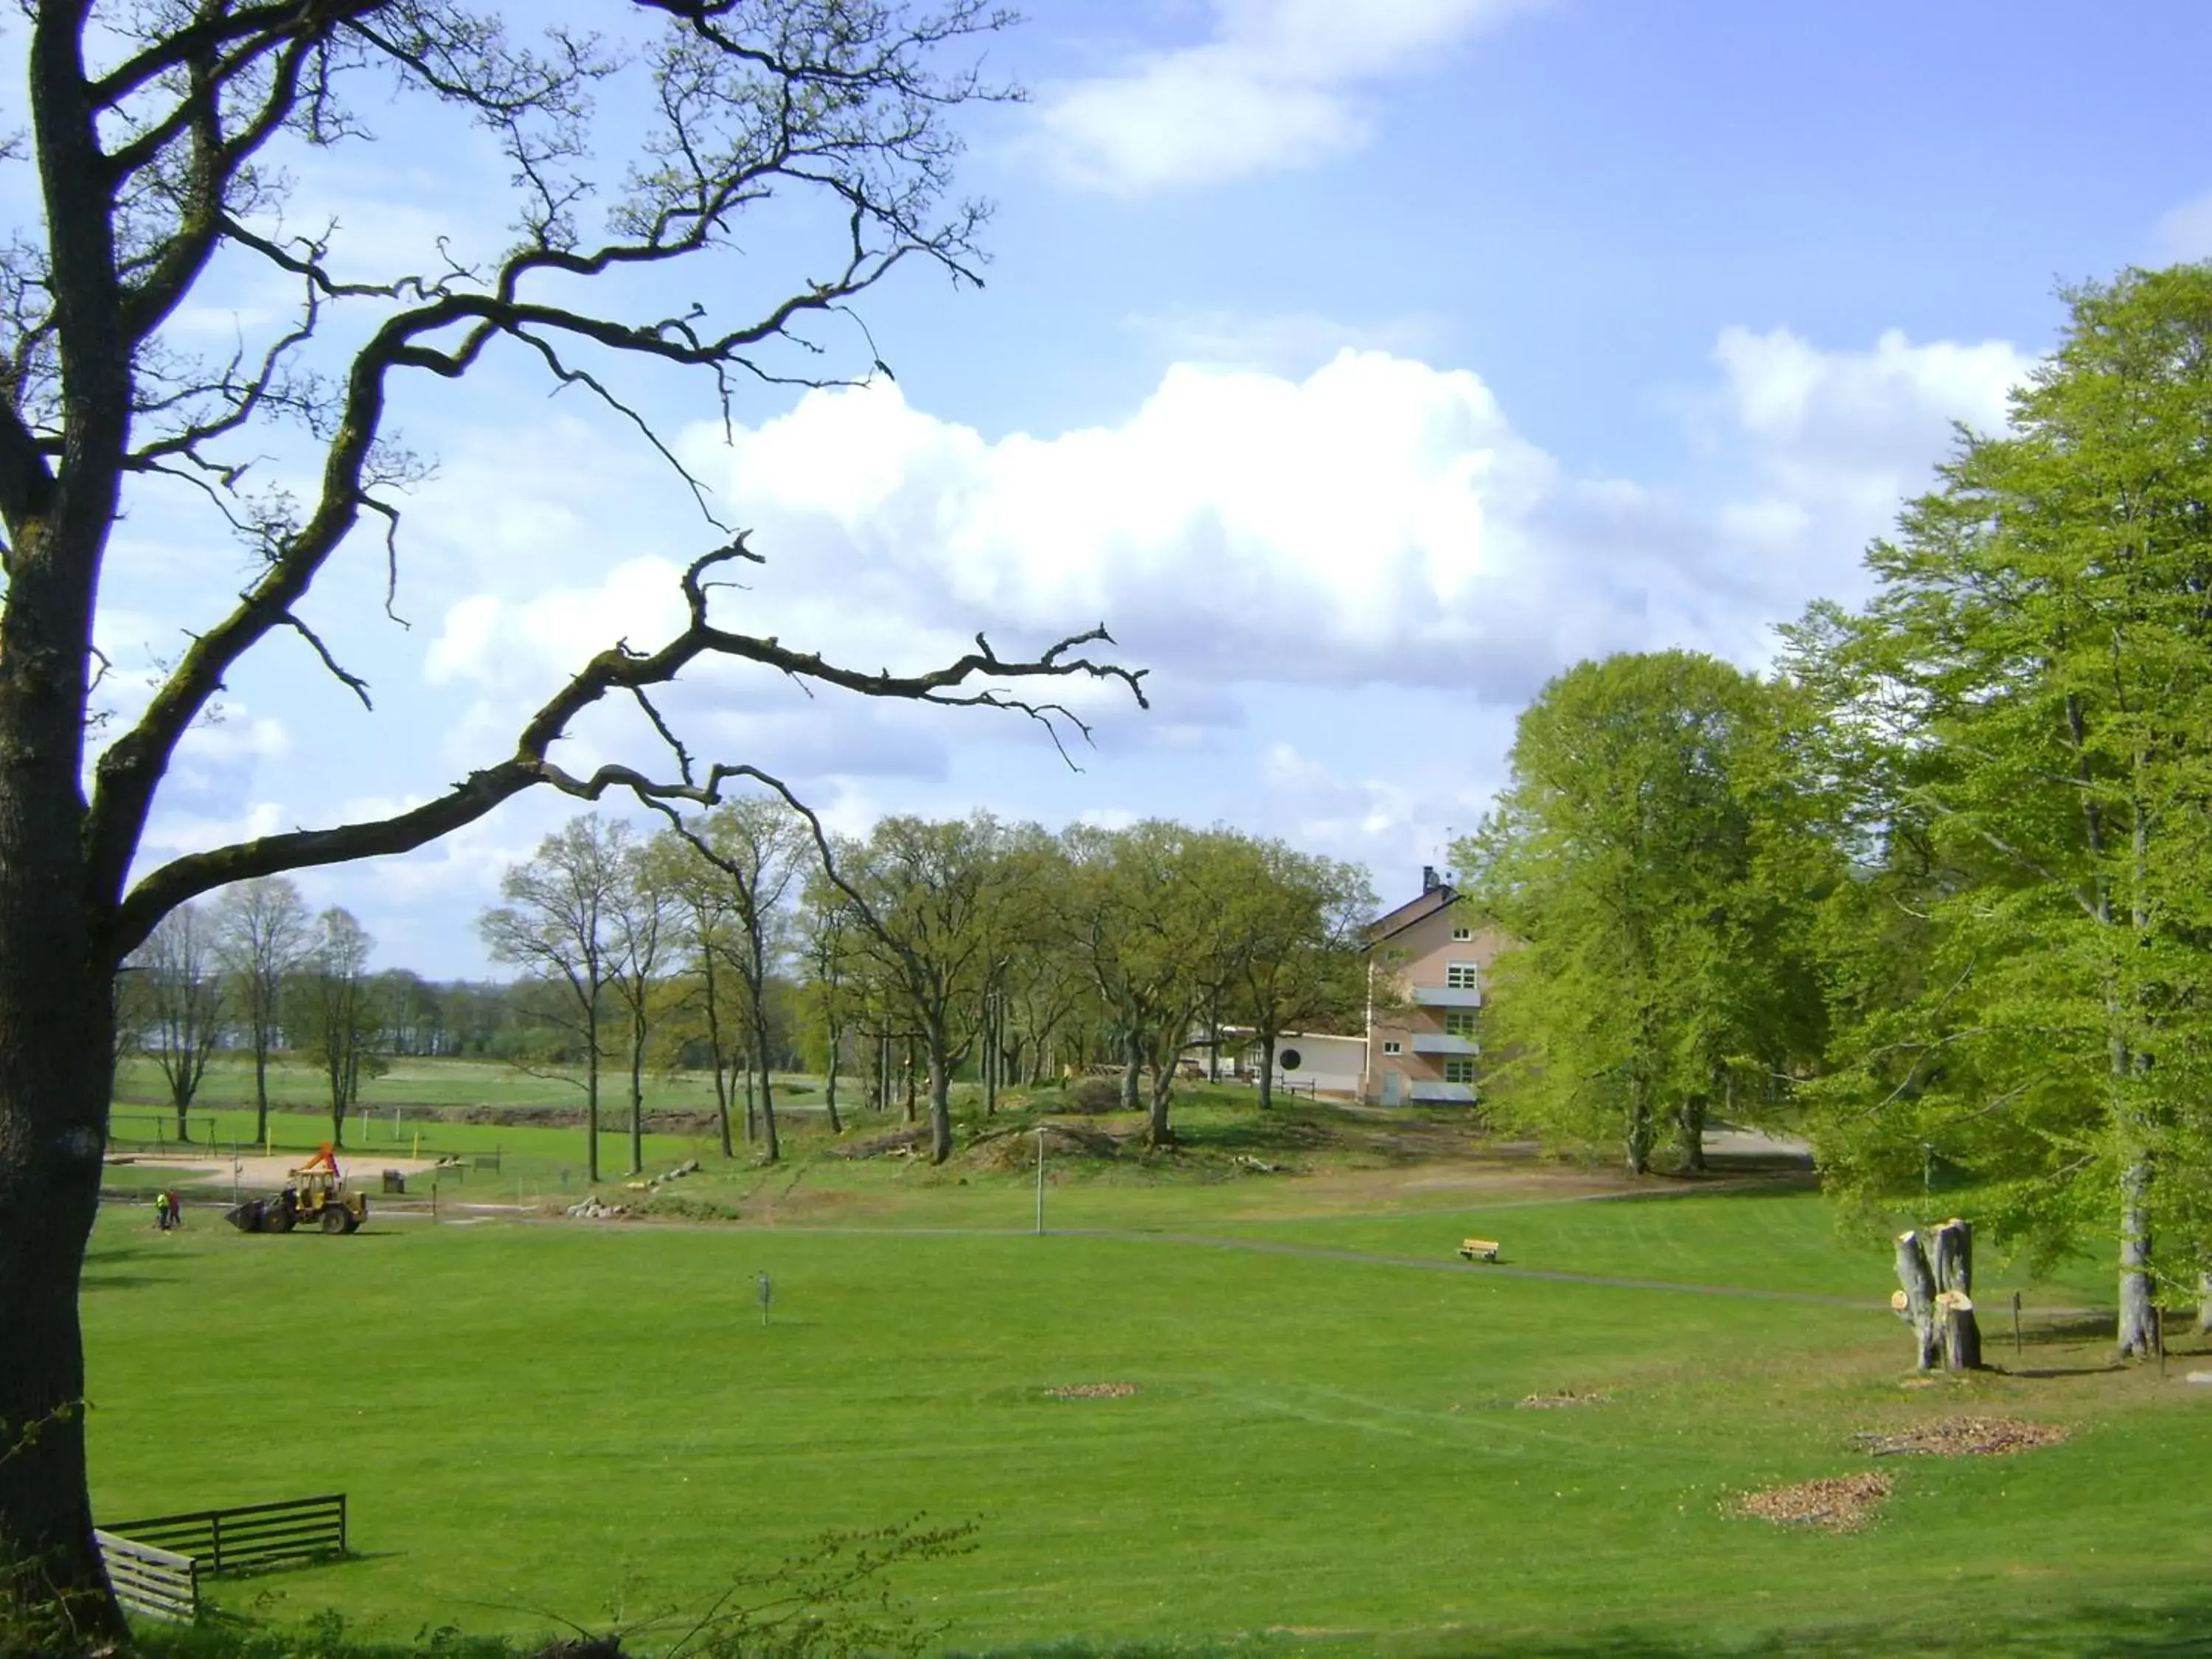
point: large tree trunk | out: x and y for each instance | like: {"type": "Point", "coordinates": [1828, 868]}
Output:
{"type": "Point", "coordinates": [1133, 1068]}
{"type": "Point", "coordinates": [591, 1096]}
{"type": "Point", "coordinates": [637, 1101]}
{"type": "Point", "coordinates": [1156, 1132]}
{"type": "Point", "coordinates": [2205, 1304]}
{"type": "Point", "coordinates": [2138, 1331]}
{"type": "Point", "coordinates": [1267, 1070]}
{"type": "Point", "coordinates": [774, 1152]}
{"type": "Point", "coordinates": [830, 1092]}
{"type": "Point", "coordinates": [1954, 1296]}
{"type": "Point", "coordinates": [940, 1099]}
{"type": "Point", "coordinates": [909, 1080]}
{"type": "Point", "coordinates": [1690, 1119]}
{"type": "Point", "coordinates": [1919, 1294]}
{"type": "Point", "coordinates": [1638, 1142]}
{"type": "Point", "coordinates": [261, 1086]}
{"type": "Point", "coordinates": [721, 1062]}
{"type": "Point", "coordinates": [57, 1072]}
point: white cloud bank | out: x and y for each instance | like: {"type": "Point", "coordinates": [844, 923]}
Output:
{"type": "Point", "coordinates": [1379, 521]}
{"type": "Point", "coordinates": [1275, 89]}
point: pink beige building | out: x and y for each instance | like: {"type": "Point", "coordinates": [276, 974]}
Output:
{"type": "Point", "coordinates": [1428, 961]}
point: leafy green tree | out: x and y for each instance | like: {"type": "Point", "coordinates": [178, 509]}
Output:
{"type": "Point", "coordinates": [1649, 857]}
{"type": "Point", "coordinates": [925, 897]}
{"type": "Point", "coordinates": [2025, 707]}
{"type": "Point", "coordinates": [1295, 922]}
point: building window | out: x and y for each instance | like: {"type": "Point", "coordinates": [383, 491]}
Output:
{"type": "Point", "coordinates": [1458, 1022]}
{"type": "Point", "coordinates": [1390, 1045]}
{"type": "Point", "coordinates": [1461, 935]}
{"type": "Point", "coordinates": [1459, 1071]}
{"type": "Point", "coordinates": [1459, 976]}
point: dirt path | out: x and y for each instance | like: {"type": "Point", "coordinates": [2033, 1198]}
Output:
{"type": "Point", "coordinates": [258, 1172]}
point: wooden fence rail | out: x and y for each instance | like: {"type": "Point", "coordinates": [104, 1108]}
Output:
{"type": "Point", "coordinates": [158, 1583]}
{"type": "Point", "coordinates": [257, 1535]}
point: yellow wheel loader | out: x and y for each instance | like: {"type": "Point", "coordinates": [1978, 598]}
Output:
{"type": "Point", "coordinates": [315, 1196]}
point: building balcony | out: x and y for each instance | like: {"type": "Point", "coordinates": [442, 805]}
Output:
{"type": "Point", "coordinates": [1441, 1042]}
{"type": "Point", "coordinates": [1447, 996]}
{"type": "Point", "coordinates": [1425, 1093]}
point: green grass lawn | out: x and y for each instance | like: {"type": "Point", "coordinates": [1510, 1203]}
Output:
{"type": "Point", "coordinates": [540, 1419]}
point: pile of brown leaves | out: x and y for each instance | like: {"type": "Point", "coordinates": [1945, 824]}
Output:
{"type": "Point", "coordinates": [1962, 1436]}
{"type": "Point", "coordinates": [1540, 1402]}
{"type": "Point", "coordinates": [1093, 1391]}
{"type": "Point", "coordinates": [1845, 1504]}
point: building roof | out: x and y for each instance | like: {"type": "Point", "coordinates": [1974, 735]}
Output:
{"type": "Point", "coordinates": [1418, 909]}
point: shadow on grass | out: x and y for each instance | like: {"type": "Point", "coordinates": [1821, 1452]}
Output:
{"type": "Point", "coordinates": [2110, 1629]}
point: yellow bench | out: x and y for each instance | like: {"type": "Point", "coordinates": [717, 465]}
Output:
{"type": "Point", "coordinates": [1478, 1249]}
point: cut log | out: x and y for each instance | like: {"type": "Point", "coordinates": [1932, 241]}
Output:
{"type": "Point", "coordinates": [1919, 1286]}
{"type": "Point", "coordinates": [1962, 1336]}
{"type": "Point", "coordinates": [1954, 1294]}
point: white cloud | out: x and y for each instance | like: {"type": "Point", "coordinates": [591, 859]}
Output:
{"type": "Point", "coordinates": [1272, 89]}
{"type": "Point", "coordinates": [1838, 439]}
{"type": "Point", "coordinates": [2186, 232]}
{"type": "Point", "coordinates": [1378, 520]}
{"type": "Point", "coordinates": [500, 640]}
{"type": "Point", "coordinates": [1287, 343]}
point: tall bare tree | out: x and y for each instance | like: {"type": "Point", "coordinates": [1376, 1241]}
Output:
{"type": "Point", "coordinates": [338, 1014]}
{"type": "Point", "coordinates": [706, 921]}
{"type": "Point", "coordinates": [558, 926]}
{"type": "Point", "coordinates": [826, 950]}
{"type": "Point", "coordinates": [262, 934]}
{"type": "Point", "coordinates": [643, 914]}
{"type": "Point", "coordinates": [178, 1004]}
{"type": "Point", "coordinates": [160, 140]}
{"type": "Point", "coordinates": [759, 846]}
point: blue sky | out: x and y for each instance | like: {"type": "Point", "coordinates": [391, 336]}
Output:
{"type": "Point", "coordinates": [1360, 366]}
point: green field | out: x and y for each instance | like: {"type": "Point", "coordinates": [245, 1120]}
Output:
{"type": "Point", "coordinates": [1324, 1447]}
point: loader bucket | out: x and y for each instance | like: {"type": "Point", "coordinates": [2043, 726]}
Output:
{"type": "Point", "coordinates": [245, 1217]}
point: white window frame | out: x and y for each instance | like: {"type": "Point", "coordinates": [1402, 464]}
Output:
{"type": "Point", "coordinates": [1459, 1023]}
{"type": "Point", "coordinates": [1460, 1069]}
{"type": "Point", "coordinates": [1391, 1046]}
{"type": "Point", "coordinates": [1463, 976]}
{"type": "Point", "coordinates": [1462, 935]}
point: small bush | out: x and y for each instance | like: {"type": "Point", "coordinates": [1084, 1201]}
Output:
{"type": "Point", "coordinates": [1095, 1095]}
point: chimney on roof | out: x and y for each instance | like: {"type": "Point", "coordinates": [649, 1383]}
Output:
{"type": "Point", "coordinates": [1429, 881]}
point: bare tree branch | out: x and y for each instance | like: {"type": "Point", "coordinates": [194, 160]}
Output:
{"type": "Point", "coordinates": [621, 669]}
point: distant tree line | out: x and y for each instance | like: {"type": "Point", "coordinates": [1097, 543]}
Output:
{"type": "Point", "coordinates": [746, 941]}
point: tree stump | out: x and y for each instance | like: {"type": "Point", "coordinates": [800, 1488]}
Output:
{"type": "Point", "coordinates": [1919, 1299]}
{"type": "Point", "coordinates": [1954, 1296]}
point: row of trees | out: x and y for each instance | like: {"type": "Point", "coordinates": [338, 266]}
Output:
{"type": "Point", "coordinates": [253, 964]}
{"type": "Point", "coordinates": [739, 935]}
{"type": "Point", "coordinates": [1944, 884]}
